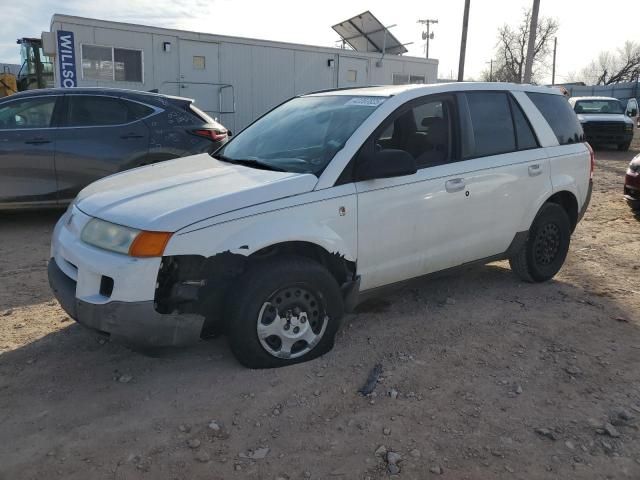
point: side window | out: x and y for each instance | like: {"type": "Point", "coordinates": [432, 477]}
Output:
{"type": "Point", "coordinates": [493, 131]}
{"type": "Point", "coordinates": [424, 131]}
{"type": "Point", "coordinates": [559, 115]}
{"type": "Point", "coordinates": [137, 110]}
{"type": "Point", "coordinates": [90, 111]}
{"type": "Point", "coordinates": [28, 113]}
{"type": "Point", "coordinates": [525, 138]}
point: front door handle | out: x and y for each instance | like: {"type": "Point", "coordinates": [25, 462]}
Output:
{"type": "Point", "coordinates": [534, 170]}
{"type": "Point", "coordinates": [131, 135]}
{"type": "Point", "coordinates": [37, 141]}
{"type": "Point", "coordinates": [454, 185]}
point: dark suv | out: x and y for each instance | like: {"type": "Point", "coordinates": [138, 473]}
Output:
{"type": "Point", "coordinates": [54, 142]}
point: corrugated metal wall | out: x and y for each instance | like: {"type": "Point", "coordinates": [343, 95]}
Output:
{"type": "Point", "coordinates": [621, 91]}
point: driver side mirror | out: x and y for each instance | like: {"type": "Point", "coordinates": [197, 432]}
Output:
{"type": "Point", "coordinates": [632, 113]}
{"type": "Point", "coordinates": [385, 164]}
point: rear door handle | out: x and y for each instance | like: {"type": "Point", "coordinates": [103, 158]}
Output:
{"type": "Point", "coordinates": [37, 141]}
{"type": "Point", "coordinates": [454, 185]}
{"type": "Point", "coordinates": [534, 170]}
{"type": "Point", "coordinates": [131, 135]}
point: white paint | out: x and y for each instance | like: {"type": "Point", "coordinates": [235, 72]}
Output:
{"type": "Point", "coordinates": [394, 228]}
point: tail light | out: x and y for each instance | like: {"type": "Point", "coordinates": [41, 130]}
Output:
{"type": "Point", "coordinates": [593, 159]}
{"type": "Point", "coordinates": [213, 135]}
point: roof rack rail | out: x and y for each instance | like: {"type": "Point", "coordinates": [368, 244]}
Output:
{"type": "Point", "coordinates": [343, 88]}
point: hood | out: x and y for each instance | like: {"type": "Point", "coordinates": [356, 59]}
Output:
{"type": "Point", "coordinates": [170, 195]}
{"type": "Point", "coordinates": [603, 117]}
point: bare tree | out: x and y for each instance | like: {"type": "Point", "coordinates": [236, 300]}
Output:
{"type": "Point", "coordinates": [511, 49]}
{"type": "Point", "coordinates": [623, 65]}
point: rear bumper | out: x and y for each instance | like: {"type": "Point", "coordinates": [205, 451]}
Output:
{"type": "Point", "coordinates": [133, 323]}
{"type": "Point", "coordinates": [587, 200]}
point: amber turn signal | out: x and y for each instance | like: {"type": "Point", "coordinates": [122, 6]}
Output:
{"type": "Point", "coordinates": [149, 244]}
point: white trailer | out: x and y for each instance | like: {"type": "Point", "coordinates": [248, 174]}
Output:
{"type": "Point", "coordinates": [233, 79]}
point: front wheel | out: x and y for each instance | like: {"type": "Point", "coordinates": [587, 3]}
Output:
{"type": "Point", "coordinates": [623, 147]}
{"type": "Point", "coordinates": [286, 311]}
{"type": "Point", "coordinates": [545, 250]}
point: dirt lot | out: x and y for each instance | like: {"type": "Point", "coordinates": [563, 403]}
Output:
{"type": "Point", "coordinates": [483, 377]}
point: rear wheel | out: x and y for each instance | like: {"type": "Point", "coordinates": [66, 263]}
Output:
{"type": "Point", "coordinates": [286, 311]}
{"type": "Point", "coordinates": [544, 252]}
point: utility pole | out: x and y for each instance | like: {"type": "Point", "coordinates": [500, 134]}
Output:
{"type": "Point", "coordinates": [553, 70]}
{"type": "Point", "coordinates": [531, 45]}
{"type": "Point", "coordinates": [427, 35]}
{"type": "Point", "coordinates": [463, 41]}
{"type": "Point", "coordinates": [490, 69]}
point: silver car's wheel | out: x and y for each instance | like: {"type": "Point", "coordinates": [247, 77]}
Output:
{"type": "Point", "coordinates": [291, 322]}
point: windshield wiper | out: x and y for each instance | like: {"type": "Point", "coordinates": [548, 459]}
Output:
{"type": "Point", "coordinates": [250, 162]}
{"type": "Point", "coordinates": [219, 156]}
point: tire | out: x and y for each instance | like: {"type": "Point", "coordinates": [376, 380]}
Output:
{"type": "Point", "coordinates": [545, 250]}
{"type": "Point", "coordinates": [623, 147]}
{"type": "Point", "coordinates": [263, 335]}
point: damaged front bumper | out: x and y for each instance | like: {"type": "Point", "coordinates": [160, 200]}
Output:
{"type": "Point", "coordinates": [133, 323]}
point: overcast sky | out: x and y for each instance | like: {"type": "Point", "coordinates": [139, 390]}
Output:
{"type": "Point", "coordinates": [586, 26]}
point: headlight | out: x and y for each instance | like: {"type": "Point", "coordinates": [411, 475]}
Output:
{"type": "Point", "coordinates": [629, 126]}
{"type": "Point", "coordinates": [109, 236]}
{"type": "Point", "coordinates": [125, 240]}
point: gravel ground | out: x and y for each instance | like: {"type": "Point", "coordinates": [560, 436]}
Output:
{"type": "Point", "coordinates": [483, 376]}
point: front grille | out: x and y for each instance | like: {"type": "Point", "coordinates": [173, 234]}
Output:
{"type": "Point", "coordinates": [599, 128]}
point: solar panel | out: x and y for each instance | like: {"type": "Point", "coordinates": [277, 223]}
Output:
{"type": "Point", "coordinates": [365, 33]}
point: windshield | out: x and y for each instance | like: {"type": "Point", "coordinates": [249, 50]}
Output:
{"type": "Point", "coordinates": [599, 106]}
{"type": "Point", "coordinates": [302, 135]}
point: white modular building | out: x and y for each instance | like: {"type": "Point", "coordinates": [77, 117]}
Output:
{"type": "Point", "coordinates": [234, 79]}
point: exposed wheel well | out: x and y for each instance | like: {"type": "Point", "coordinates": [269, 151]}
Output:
{"type": "Point", "coordinates": [567, 201]}
{"type": "Point", "coordinates": [342, 270]}
{"type": "Point", "coordinates": [197, 284]}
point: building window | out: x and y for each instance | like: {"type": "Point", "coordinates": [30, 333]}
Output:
{"type": "Point", "coordinates": [111, 64]}
{"type": "Point", "coordinates": [199, 62]}
{"type": "Point", "coordinates": [128, 65]}
{"type": "Point", "coordinates": [97, 63]}
{"type": "Point", "coordinates": [352, 75]}
{"type": "Point", "coordinates": [400, 79]}
{"type": "Point", "coordinates": [405, 79]}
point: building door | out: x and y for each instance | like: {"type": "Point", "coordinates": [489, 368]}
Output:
{"type": "Point", "coordinates": [200, 75]}
{"type": "Point", "coordinates": [352, 72]}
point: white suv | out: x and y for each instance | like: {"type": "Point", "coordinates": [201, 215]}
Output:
{"type": "Point", "coordinates": [317, 204]}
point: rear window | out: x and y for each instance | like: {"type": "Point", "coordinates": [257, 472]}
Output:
{"type": "Point", "coordinates": [559, 115]}
{"type": "Point", "coordinates": [492, 126]}
{"type": "Point", "coordinates": [200, 114]}
{"type": "Point", "coordinates": [137, 110]}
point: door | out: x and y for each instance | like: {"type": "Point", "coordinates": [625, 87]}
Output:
{"type": "Point", "coordinates": [352, 72]}
{"type": "Point", "coordinates": [27, 143]}
{"type": "Point", "coordinates": [506, 171]}
{"type": "Point", "coordinates": [414, 224]}
{"type": "Point", "coordinates": [199, 75]}
{"type": "Point", "coordinates": [101, 135]}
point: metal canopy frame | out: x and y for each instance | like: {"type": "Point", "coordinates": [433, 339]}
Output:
{"type": "Point", "coordinates": [365, 33]}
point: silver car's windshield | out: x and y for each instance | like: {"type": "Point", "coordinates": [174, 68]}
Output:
{"type": "Point", "coordinates": [302, 135]}
{"type": "Point", "coordinates": [599, 106]}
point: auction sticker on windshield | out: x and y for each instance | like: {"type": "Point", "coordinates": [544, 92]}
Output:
{"type": "Point", "coordinates": [366, 101]}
